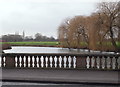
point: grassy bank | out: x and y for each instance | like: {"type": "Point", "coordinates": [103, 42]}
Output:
{"type": "Point", "coordinates": [106, 46]}
{"type": "Point", "coordinates": [31, 43]}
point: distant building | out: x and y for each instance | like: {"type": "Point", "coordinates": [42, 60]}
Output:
{"type": "Point", "coordinates": [23, 35]}
{"type": "Point", "coordinates": [17, 33]}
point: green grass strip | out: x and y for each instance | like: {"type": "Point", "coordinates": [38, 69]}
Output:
{"type": "Point", "coordinates": [30, 43]}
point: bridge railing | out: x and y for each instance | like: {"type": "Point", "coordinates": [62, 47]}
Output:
{"type": "Point", "coordinates": [64, 60]}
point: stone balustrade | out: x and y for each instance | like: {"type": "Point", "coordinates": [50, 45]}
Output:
{"type": "Point", "coordinates": [63, 61]}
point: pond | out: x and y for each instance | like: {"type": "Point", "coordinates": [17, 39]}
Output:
{"type": "Point", "coordinates": [28, 49]}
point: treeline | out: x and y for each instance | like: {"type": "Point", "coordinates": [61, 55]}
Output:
{"type": "Point", "coordinates": [99, 31]}
{"type": "Point", "coordinates": [18, 38]}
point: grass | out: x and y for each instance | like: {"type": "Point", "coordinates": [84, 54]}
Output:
{"type": "Point", "coordinates": [118, 44]}
{"type": "Point", "coordinates": [106, 44]}
{"type": "Point", "coordinates": [51, 43]}
{"type": "Point", "coordinates": [31, 43]}
{"type": "Point", "coordinates": [110, 44]}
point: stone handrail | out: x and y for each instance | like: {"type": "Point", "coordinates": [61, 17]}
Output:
{"type": "Point", "coordinates": [61, 60]}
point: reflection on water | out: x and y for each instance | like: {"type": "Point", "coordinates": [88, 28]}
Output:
{"type": "Point", "coordinates": [25, 49]}
{"type": "Point", "coordinates": [28, 49]}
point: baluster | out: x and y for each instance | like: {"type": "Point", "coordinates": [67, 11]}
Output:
{"type": "Point", "coordinates": [98, 62]}
{"type": "Point", "coordinates": [60, 61]}
{"type": "Point", "coordinates": [69, 62]}
{"type": "Point", "coordinates": [64, 60]}
{"type": "Point", "coordinates": [88, 62]}
{"type": "Point", "coordinates": [51, 60]}
{"type": "Point", "coordinates": [24, 60]}
{"type": "Point", "coordinates": [74, 62]}
{"type": "Point", "coordinates": [29, 61]}
{"type": "Point", "coordinates": [46, 61]}
{"type": "Point", "coordinates": [33, 61]}
{"type": "Point", "coordinates": [16, 61]}
{"type": "Point", "coordinates": [93, 62]}
{"type": "Point", "coordinates": [103, 62]}
{"type": "Point", "coordinates": [55, 59]}
{"type": "Point", "coordinates": [118, 61]}
{"type": "Point", "coordinates": [42, 61]}
{"type": "Point", "coordinates": [20, 59]}
{"type": "Point", "coordinates": [0, 61]}
{"type": "Point", "coordinates": [4, 59]}
{"type": "Point", "coordinates": [113, 63]}
{"type": "Point", "coordinates": [108, 60]}
{"type": "Point", "coordinates": [37, 62]}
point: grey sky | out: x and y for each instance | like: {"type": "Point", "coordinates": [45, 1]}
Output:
{"type": "Point", "coordinates": [43, 16]}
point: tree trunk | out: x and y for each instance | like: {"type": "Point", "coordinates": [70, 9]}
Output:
{"type": "Point", "coordinates": [112, 39]}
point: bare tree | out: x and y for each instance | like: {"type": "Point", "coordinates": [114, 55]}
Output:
{"type": "Point", "coordinates": [63, 35]}
{"type": "Point", "coordinates": [73, 32]}
{"type": "Point", "coordinates": [95, 30]}
{"type": "Point", "coordinates": [109, 13]}
{"type": "Point", "coordinates": [79, 30]}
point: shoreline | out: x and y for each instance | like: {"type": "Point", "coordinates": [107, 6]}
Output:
{"type": "Point", "coordinates": [39, 45]}
{"type": "Point", "coordinates": [4, 47]}
{"type": "Point", "coordinates": [8, 46]}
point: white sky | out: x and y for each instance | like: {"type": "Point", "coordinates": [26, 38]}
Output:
{"type": "Point", "coordinates": [40, 16]}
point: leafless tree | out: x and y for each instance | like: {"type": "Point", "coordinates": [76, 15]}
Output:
{"type": "Point", "coordinates": [63, 35]}
{"type": "Point", "coordinates": [109, 13]}
{"type": "Point", "coordinates": [94, 30]}
{"type": "Point", "coordinates": [73, 32]}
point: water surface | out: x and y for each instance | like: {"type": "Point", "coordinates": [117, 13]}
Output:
{"type": "Point", "coordinates": [27, 49]}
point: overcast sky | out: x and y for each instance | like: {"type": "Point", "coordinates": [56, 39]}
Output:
{"type": "Point", "coordinates": [40, 16]}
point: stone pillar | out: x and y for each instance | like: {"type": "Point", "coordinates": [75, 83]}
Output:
{"type": "Point", "coordinates": [10, 62]}
{"type": "Point", "coordinates": [81, 62]}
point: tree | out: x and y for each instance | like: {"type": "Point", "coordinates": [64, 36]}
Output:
{"type": "Point", "coordinates": [12, 38]}
{"type": "Point", "coordinates": [109, 14]}
{"type": "Point", "coordinates": [78, 31]}
{"type": "Point", "coordinates": [38, 37]}
{"type": "Point", "coordinates": [96, 30]}
{"type": "Point", "coordinates": [63, 35]}
{"type": "Point", "coordinates": [28, 38]}
{"type": "Point", "coordinates": [72, 32]}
